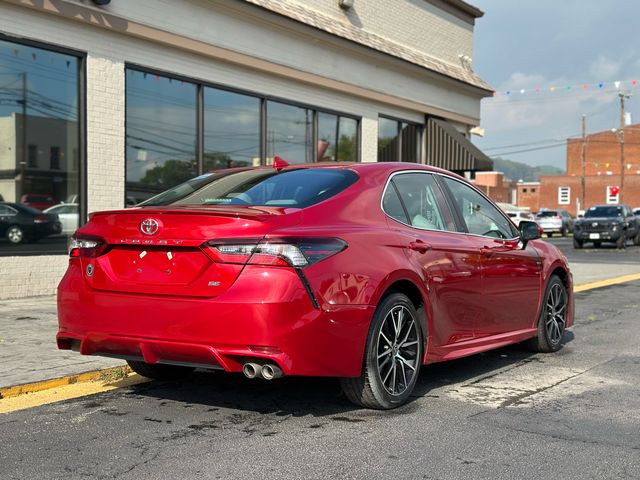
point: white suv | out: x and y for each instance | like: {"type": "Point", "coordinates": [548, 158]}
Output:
{"type": "Point", "coordinates": [555, 221]}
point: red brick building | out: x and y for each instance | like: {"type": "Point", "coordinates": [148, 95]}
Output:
{"type": "Point", "coordinates": [528, 195]}
{"type": "Point", "coordinates": [602, 175]}
{"type": "Point", "coordinates": [496, 186]}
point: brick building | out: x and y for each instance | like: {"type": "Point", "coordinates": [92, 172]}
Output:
{"type": "Point", "coordinates": [496, 186]}
{"type": "Point", "coordinates": [149, 93]}
{"type": "Point", "coordinates": [602, 175]}
{"type": "Point", "coordinates": [528, 195]}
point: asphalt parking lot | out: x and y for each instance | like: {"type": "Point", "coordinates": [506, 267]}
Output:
{"type": "Point", "coordinates": [504, 414]}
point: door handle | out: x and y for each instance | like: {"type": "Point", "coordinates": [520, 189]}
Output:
{"type": "Point", "coordinates": [419, 246]}
{"type": "Point", "coordinates": [486, 252]}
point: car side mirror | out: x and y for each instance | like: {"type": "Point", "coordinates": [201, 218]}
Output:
{"type": "Point", "coordinates": [529, 231]}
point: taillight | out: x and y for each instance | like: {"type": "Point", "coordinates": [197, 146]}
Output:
{"type": "Point", "coordinates": [40, 219]}
{"type": "Point", "coordinates": [284, 252]}
{"type": "Point", "coordinates": [86, 247]}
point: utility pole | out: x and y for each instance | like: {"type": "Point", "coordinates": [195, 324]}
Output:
{"type": "Point", "coordinates": [622, 96]}
{"type": "Point", "coordinates": [23, 157]}
{"type": "Point", "coordinates": [583, 162]}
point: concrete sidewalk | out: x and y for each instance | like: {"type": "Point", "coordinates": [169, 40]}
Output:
{"type": "Point", "coordinates": [28, 351]}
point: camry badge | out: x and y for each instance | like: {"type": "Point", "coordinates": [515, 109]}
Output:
{"type": "Point", "coordinates": [149, 226]}
{"type": "Point", "coordinates": [594, 224]}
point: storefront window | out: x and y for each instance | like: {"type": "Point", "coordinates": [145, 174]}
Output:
{"type": "Point", "coordinates": [161, 134]}
{"type": "Point", "coordinates": [289, 133]}
{"type": "Point", "coordinates": [337, 137]}
{"type": "Point", "coordinates": [231, 130]}
{"type": "Point", "coordinates": [347, 139]}
{"type": "Point", "coordinates": [39, 145]}
{"type": "Point", "coordinates": [167, 144]}
{"type": "Point", "coordinates": [399, 141]}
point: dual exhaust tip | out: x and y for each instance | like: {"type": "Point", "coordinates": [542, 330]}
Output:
{"type": "Point", "coordinates": [268, 371]}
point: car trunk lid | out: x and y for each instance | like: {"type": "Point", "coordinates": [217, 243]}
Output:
{"type": "Point", "coordinates": [171, 257]}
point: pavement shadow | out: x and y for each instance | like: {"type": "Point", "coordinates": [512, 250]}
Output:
{"type": "Point", "coordinates": [317, 397]}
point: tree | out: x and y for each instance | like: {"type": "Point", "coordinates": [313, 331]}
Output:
{"type": "Point", "coordinates": [170, 173]}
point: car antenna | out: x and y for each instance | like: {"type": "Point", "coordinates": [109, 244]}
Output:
{"type": "Point", "coordinates": [279, 163]}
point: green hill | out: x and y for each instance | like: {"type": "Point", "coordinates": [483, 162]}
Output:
{"type": "Point", "coordinates": [521, 171]}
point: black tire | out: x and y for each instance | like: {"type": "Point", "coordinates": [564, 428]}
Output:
{"type": "Point", "coordinates": [15, 234]}
{"type": "Point", "coordinates": [577, 243]}
{"type": "Point", "coordinates": [399, 350]}
{"type": "Point", "coordinates": [550, 235]}
{"type": "Point", "coordinates": [160, 371]}
{"type": "Point", "coordinates": [564, 231]}
{"type": "Point", "coordinates": [636, 239]}
{"type": "Point", "coordinates": [621, 242]}
{"type": "Point", "coordinates": [553, 318]}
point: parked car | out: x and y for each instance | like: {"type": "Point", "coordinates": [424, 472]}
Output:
{"type": "Point", "coordinates": [39, 201]}
{"type": "Point", "coordinates": [20, 223]}
{"type": "Point", "coordinates": [607, 223]}
{"type": "Point", "coordinates": [519, 215]}
{"type": "Point", "coordinates": [555, 221]}
{"type": "Point", "coordinates": [68, 216]}
{"type": "Point", "coordinates": [359, 271]}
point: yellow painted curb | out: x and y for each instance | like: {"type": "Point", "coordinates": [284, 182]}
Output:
{"type": "Point", "coordinates": [106, 375]}
{"type": "Point", "coordinates": [22, 401]}
{"type": "Point", "coordinates": [606, 283]}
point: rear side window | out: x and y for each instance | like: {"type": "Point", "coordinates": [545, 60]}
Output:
{"type": "Point", "coordinates": [392, 206]}
{"type": "Point", "coordinates": [298, 188]}
{"type": "Point", "coordinates": [422, 200]}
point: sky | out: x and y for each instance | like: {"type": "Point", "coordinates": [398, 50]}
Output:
{"type": "Point", "coordinates": [566, 55]}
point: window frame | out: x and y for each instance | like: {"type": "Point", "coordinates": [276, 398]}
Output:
{"type": "Point", "coordinates": [399, 122]}
{"type": "Point", "coordinates": [611, 199]}
{"type": "Point", "coordinates": [564, 195]}
{"type": "Point", "coordinates": [81, 92]}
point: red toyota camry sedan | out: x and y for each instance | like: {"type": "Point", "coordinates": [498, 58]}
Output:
{"type": "Point", "coordinates": [360, 271]}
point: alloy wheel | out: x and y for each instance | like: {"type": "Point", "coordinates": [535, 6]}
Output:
{"type": "Point", "coordinates": [397, 350]}
{"type": "Point", "coordinates": [15, 235]}
{"type": "Point", "coordinates": [556, 308]}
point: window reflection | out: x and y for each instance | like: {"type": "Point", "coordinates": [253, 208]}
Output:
{"type": "Point", "coordinates": [161, 134]}
{"type": "Point", "coordinates": [399, 141]}
{"type": "Point", "coordinates": [337, 137]}
{"type": "Point", "coordinates": [231, 130]}
{"type": "Point", "coordinates": [289, 133]}
{"type": "Point", "coordinates": [348, 140]}
{"type": "Point", "coordinates": [39, 144]}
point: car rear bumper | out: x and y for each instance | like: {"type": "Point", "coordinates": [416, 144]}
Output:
{"type": "Point", "coordinates": [265, 315]}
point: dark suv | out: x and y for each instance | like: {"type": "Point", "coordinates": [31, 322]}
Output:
{"type": "Point", "coordinates": [607, 223]}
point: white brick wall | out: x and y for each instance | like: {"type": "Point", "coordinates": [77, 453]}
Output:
{"type": "Point", "coordinates": [30, 276]}
{"type": "Point", "coordinates": [105, 133]}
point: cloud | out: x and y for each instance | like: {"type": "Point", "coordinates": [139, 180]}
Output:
{"type": "Point", "coordinates": [605, 68]}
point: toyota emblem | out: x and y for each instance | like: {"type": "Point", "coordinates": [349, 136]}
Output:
{"type": "Point", "coordinates": [149, 226]}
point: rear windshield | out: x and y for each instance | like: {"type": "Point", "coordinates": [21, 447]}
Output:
{"type": "Point", "coordinates": [548, 213]}
{"type": "Point", "coordinates": [603, 212]}
{"type": "Point", "coordinates": [297, 188]}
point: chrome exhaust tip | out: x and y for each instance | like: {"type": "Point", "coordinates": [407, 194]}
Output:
{"type": "Point", "coordinates": [270, 372]}
{"type": "Point", "coordinates": [251, 370]}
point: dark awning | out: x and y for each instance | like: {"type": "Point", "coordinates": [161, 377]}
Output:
{"type": "Point", "coordinates": [449, 149]}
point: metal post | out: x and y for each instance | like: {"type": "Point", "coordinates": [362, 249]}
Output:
{"type": "Point", "coordinates": [23, 160]}
{"type": "Point", "coordinates": [622, 96]}
{"type": "Point", "coordinates": [583, 163]}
